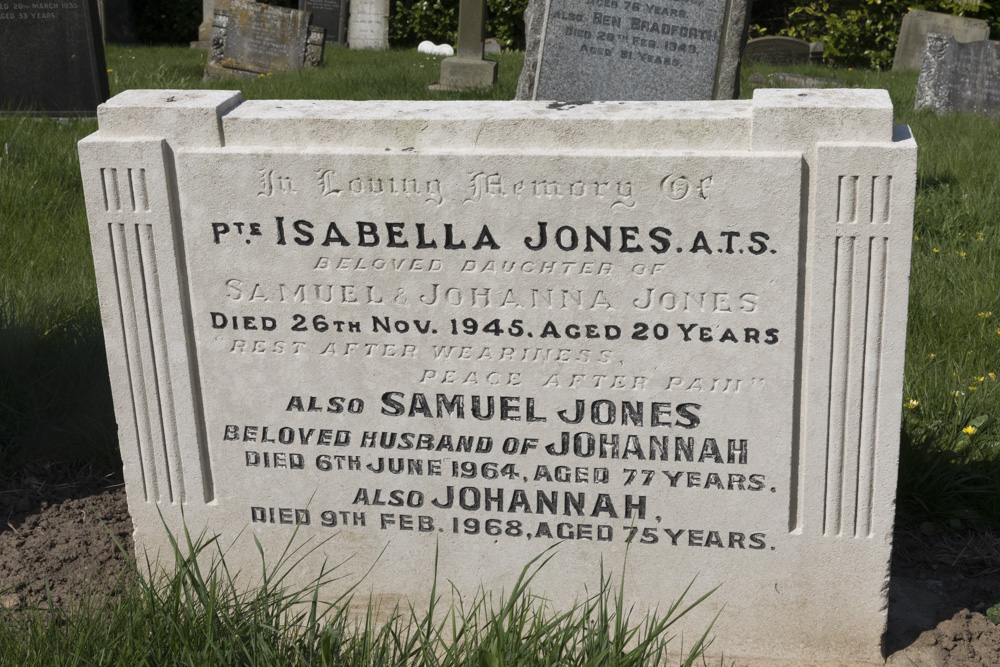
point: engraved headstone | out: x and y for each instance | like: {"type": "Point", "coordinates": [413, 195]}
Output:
{"type": "Point", "coordinates": [778, 50]}
{"type": "Point", "coordinates": [620, 50]}
{"type": "Point", "coordinates": [368, 25]}
{"type": "Point", "coordinates": [255, 38]}
{"type": "Point", "coordinates": [959, 77]}
{"type": "Point", "coordinates": [481, 329]}
{"type": "Point", "coordinates": [918, 23]}
{"type": "Point", "coordinates": [331, 15]}
{"type": "Point", "coordinates": [52, 59]}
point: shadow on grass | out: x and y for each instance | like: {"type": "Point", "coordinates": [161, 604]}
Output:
{"type": "Point", "coordinates": [55, 395]}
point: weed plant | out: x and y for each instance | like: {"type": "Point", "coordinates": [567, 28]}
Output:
{"type": "Point", "coordinates": [54, 395]}
{"type": "Point", "coordinates": [202, 614]}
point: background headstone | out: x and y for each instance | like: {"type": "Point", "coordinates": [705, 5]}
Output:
{"type": "Point", "coordinates": [778, 50]}
{"type": "Point", "coordinates": [611, 50]}
{"type": "Point", "coordinates": [368, 25]}
{"type": "Point", "coordinates": [959, 77]}
{"type": "Point", "coordinates": [471, 331]}
{"type": "Point", "coordinates": [256, 38]}
{"type": "Point", "coordinates": [208, 8]}
{"type": "Point", "coordinates": [468, 69]}
{"type": "Point", "coordinates": [917, 23]}
{"type": "Point", "coordinates": [52, 60]}
{"type": "Point", "coordinates": [331, 15]}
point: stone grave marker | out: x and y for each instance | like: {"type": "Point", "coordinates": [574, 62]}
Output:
{"type": "Point", "coordinates": [256, 38]}
{"type": "Point", "coordinates": [481, 329]}
{"type": "Point", "coordinates": [781, 50]}
{"type": "Point", "coordinates": [619, 50]}
{"type": "Point", "coordinates": [331, 15]}
{"type": "Point", "coordinates": [959, 77]}
{"type": "Point", "coordinates": [917, 23]}
{"type": "Point", "coordinates": [52, 59]}
{"type": "Point", "coordinates": [468, 68]}
{"type": "Point", "coordinates": [368, 25]}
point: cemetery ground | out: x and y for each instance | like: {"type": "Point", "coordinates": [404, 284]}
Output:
{"type": "Point", "coordinates": [64, 527]}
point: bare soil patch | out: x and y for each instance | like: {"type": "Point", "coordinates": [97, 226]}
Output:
{"type": "Point", "coordinates": [56, 530]}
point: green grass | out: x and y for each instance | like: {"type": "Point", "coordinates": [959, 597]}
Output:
{"type": "Point", "coordinates": [202, 614]}
{"type": "Point", "coordinates": [54, 394]}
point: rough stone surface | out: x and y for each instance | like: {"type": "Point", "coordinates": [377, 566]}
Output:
{"type": "Point", "coordinates": [633, 51]}
{"type": "Point", "coordinates": [959, 77]}
{"type": "Point", "coordinates": [778, 50]}
{"type": "Point", "coordinates": [480, 329]}
{"type": "Point", "coordinates": [255, 38]}
{"type": "Point", "coordinates": [52, 60]}
{"type": "Point", "coordinates": [463, 73]}
{"type": "Point", "coordinates": [368, 25]}
{"type": "Point", "coordinates": [330, 15]}
{"type": "Point", "coordinates": [789, 80]}
{"type": "Point", "coordinates": [918, 23]}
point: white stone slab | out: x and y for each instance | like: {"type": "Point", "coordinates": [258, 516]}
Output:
{"type": "Point", "coordinates": [728, 279]}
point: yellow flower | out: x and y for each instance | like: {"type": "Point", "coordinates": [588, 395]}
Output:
{"type": "Point", "coordinates": [973, 388]}
{"type": "Point", "coordinates": [959, 393]}
{"type": "Point", "coordinates": [980, 378]}
{"type": "Point", "coordinates": [988, 313]}
{"type": "Point", "coordinates": [911, 403]}
{"type": "Point", "coordinates": [993, 377]}
{"type": "Point", "coordinates": [934, 249]}
{"type": "Point", "coordinates": [916, 238]}
{"type": "Point", "coordinates": [969, 430]}
{"type": "Point", "coordinates": [960, 254]}
{"type": "Point", "coordinates": [980, 237]}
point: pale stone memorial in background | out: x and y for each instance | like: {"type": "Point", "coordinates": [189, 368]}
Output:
{"type": "Point", "coordinates": [918, 23]}
{"type": "Point", "coordinates": [368, 25]}
{"type": "Point", "coordinates": [611, 50]}
{"type": "Point", "coordinates": [486, 328]}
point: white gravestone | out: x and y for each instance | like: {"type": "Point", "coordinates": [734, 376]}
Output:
{"type": "Point", "coordinates": [492, 327]}
{"type": "Point", "coordinates": [368, 25]}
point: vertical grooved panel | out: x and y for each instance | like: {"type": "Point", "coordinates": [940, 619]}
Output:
{"type": "Point", "coordinates": [863, 192]}
{"type": "Point", "coordinates": [840, 356]}
{"type": "Point", "coordinates": [134, 426]}
{"type": "Point", "coordinates": [877, 288]}
{"type": "Point", "coordinates": [847, 200]}
{"type": "Point", "coordinates": [123, 275]}
{"type": "Point", "coordinates": [855, 389]}
{"type": "Point", "coordinates": [152, 365]}
{"type": "Point", "coordinates": [880, 199]}
{"type": "Point", "coordinates": [158, 339]}
{"type": "Point", "coordinates": [112, 199]}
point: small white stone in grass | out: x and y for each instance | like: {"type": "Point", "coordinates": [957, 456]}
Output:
{"type": "Point", "coordinates": [435, 50]}
{"type": "Point", "coordinates": [10, 601]}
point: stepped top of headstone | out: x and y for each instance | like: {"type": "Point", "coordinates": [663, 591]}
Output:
{"type": "Point", "coordinates": [193, 115]}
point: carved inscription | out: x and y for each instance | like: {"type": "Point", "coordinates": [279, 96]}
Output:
{"type": "Point", "coordinates": [540, 357]}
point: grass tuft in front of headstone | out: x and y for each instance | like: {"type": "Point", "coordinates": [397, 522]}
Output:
{"type": "Point", "coordinates": [200, 613]}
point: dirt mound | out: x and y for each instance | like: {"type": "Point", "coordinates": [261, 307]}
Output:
{"type": "Point", "coordinates": [57, 532]}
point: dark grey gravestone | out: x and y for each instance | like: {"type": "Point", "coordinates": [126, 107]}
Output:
{"type": "Point", "coordinates": [256, 38]}
{"type": "Point", "coordinates": [959, 77]}
{"type": "Point", "coordinates": [52, 58]}
{"type": "Point", "coordinates": [588, 50]}
{"type": "Point", "coordinates": [917, 24]}
{"type": "Point", "coordinates": [328, 14]}
{"type": "Point", "coordinates": [778, 51]}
